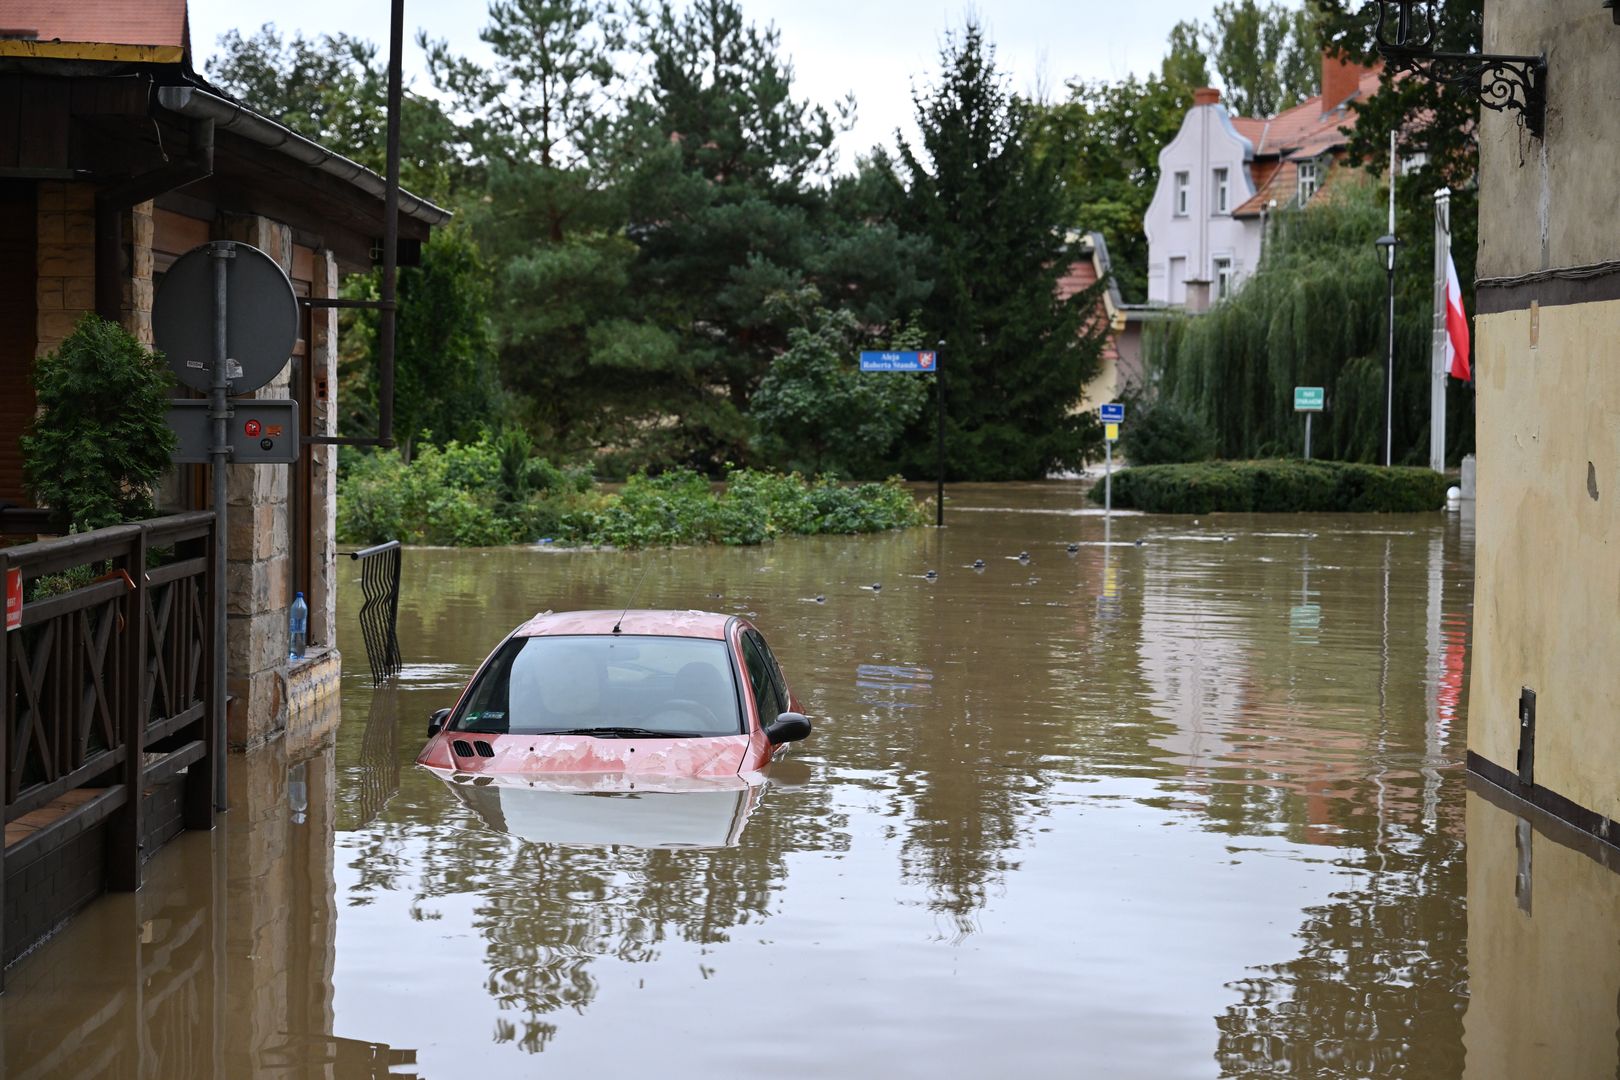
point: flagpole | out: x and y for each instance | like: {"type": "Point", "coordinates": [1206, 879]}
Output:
{"type": "Point", "coordinates": [1437, 376]}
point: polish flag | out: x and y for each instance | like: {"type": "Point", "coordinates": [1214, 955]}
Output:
{"type": "Point", "coordinates": [1456, 326]}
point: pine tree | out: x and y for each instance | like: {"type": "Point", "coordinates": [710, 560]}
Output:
{"type": "Point", "coordinates": [1014, 357]}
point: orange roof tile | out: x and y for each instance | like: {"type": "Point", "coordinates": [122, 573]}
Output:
{"type": "Point", "coordinates": [1305, 123]}
{"type": "Point", "coordinates": [113, 22]}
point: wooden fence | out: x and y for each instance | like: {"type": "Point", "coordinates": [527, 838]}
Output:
{"type": "Point", "coordinates": [105, 691]}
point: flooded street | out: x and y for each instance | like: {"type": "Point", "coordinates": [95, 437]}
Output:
{"type": "Point", "coordinates": [1187, 801]}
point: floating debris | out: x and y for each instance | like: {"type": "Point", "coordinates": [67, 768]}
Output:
{"type": "Point", "coordinates": [978, 564]}
{"type": "Point", "coordinates": [1076, 547]}
{"type": "Point", "coordinates": [931, 575]}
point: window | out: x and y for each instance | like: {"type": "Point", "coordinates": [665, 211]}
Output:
{"type": "Point", "coordinates": [1223, 277]}
{"type": "Point", "coordinates": [761, 679]}
{"type": "Point", "coordinates": [1178, 280]}
{"type": "Point", "coordinates": [1182, 183]}
{"type": "Point", "coordinates": [1223, 189]}
{"type": "Point", "coordinates": [1309, 181]}
{"type": "Point", "coordinates": [676, 686]}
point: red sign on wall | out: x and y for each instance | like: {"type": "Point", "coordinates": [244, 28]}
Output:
{"type": "Point", "coordinates": [13, 598]}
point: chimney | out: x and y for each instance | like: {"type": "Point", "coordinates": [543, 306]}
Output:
{"type": "Point", "coordinates": [1340, 78]}
{"type": "Point", "coordinates": [1206, 95]}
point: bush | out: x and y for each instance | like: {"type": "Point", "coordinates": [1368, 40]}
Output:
{"type": "Point", "coordinates": [489, 492]}
{"type": "Point", "coordinates": [101, 439]}
{"type": "Point", "coordinates": [1281, 486]}
{"type": "Point", "coordinates": [1163, 433]}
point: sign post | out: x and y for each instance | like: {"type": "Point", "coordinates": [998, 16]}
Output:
{"type": "Point", "coordinates": [909, 360]}
{"type": "Point", "coordinates": [1309, 400]}
{"type": "Point", "coordinates": [227, 318]}
{"type": "Point", "coordinates": [1113, 415]}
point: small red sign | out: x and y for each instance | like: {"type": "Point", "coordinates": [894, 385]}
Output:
{"type": "Point", "coordinates": [13, 598]}
{"type": "Point", "coordinates": [925, 360]}
{"type": "Point", "coordinates": [252, 428]}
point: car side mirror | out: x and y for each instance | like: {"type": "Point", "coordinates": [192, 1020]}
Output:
{"type": "Point", "coordinates": [788, 727]}
{"type": "Point", "coordinates": [436, 722]}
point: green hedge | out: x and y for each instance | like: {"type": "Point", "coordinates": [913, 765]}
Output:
{"type": "Point", "coordinates": [493, 491]}
{"type": "Point", "coordinates": [1281, 486]}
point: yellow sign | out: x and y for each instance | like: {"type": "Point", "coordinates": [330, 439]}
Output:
{"type": "Point", "coordinates": [1111, 432]}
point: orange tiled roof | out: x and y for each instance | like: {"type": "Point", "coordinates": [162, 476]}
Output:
{"type": "Point", "coordinates": [1305, 123]}
{"type": "Point", "coordinates": [112, 22]}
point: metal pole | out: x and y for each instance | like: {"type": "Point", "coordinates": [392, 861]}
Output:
{"type": "Point", "coordinates": [1389, 355]}
{"type": "Point", "coordinates": [385, 331]}
{"type": "Point", "coordinates": [219, 456]}
{"type": "Point", "coordinates": [1437, 375]}
{"type": "Point", "coordinates": [1108, 477]}
{"type": "Point", "coordinates": [939, 409]}
{"type": "Point", "coordinates": [1389, 368]}
{"type": "Point", "coordinates": [1307, 436]}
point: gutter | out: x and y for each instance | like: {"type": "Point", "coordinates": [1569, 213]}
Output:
{"type": "Point", "coordinates": [228, 116]}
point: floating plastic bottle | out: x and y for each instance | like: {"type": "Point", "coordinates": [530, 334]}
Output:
{"type": "Point", "coordinates": [298, 627]}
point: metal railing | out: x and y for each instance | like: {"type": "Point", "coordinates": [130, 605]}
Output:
{"type": "Point", "coordinates": [379, 612]}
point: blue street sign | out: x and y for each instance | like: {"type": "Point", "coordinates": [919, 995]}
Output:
{"type": "Point", "coordinates": [897, 361]}
{"type": "Point", "coordinates": [1113, 414]}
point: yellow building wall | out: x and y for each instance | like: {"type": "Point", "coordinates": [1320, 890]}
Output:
{"type": "Point", "coordinates": [1547, 580]}
{"type": "Point", "coordinates": [1543, 960]}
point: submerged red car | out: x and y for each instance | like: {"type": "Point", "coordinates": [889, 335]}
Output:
{"type": "Point", "coordinates": [650, 693]}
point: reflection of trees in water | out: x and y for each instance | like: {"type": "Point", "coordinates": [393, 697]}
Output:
{"type": "Point", "coordinates": [546, 913]}
{"type": "Point", "coordinates": [1379, 986]}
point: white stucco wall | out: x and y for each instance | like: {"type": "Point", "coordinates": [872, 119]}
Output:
{"type": "Point", "coordinates": [1207, 141]}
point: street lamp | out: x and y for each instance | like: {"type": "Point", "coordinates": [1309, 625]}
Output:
{"type": "Point", "coordinates": [1386, 249]}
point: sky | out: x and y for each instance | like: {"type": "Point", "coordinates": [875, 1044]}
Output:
{"type": "Point", "coordinates": [873, 48]}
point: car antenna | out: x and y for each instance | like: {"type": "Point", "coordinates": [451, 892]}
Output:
{"type": "Point", "coordinates": [632, 599]}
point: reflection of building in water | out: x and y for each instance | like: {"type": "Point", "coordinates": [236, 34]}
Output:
{"type": "Point", "coordinates": [1543, 958]}
{"type": "Point", "coordinates": [221, 966]}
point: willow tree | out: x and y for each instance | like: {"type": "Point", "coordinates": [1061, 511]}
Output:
{"type": "Point", "coordinates": [1312, 315]}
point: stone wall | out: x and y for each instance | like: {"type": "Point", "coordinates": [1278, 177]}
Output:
{"type": "Point", "coordinates": [321, 413]}
{"type": "Point", "coordinates": [65, 260]}
{"type": "Point", "coordinates": [258, 559]}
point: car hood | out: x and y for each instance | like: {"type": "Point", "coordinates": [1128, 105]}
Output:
{"type": "Point", "coordinates": [563, 754]}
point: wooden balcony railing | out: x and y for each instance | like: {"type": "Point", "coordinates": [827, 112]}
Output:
{"type": "Point", "coordinates": [105, 687]}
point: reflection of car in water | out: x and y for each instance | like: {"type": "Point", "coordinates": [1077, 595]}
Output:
{"type": "Point", "coordinates": [634, 694]}
{"type": "Point", "coordinates": [588, 811]}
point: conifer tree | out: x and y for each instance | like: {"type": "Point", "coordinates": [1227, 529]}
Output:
{"type": "Point", "coordinates": [1014, 356]}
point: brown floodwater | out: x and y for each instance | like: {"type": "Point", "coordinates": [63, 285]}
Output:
{"type": "Point", "coordinates": [1187, 801]}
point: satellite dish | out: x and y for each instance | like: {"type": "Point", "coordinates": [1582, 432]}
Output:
{"type": "Point", "coordinates": [261, 318]}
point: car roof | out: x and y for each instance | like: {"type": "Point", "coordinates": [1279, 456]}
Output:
{"type": "Point", "coordinates": [648, 622]}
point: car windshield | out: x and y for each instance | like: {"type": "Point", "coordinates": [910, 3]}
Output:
{"type": "Point", "coordinates": [643, 686]}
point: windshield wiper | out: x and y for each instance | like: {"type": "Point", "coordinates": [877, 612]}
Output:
{"type": "Point", "coordinates": [625, 733]}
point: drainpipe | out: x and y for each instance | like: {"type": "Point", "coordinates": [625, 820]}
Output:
{"type": "Point", "coordinates": [112, 202]}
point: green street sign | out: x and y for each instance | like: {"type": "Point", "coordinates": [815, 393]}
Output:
{"type": "Point", "coordinates": [1309, 398]}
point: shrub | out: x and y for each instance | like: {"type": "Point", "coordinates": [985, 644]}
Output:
{"type": "Point", "coordinates": [1163, 433]}
{"type": "Point", "coordinates": [1281, 486]}
{"type": "Point", "coordinates": [488, 492]}
{"type": "Point", "coordinates": [101, 439]}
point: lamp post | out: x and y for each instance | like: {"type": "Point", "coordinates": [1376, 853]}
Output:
{"type": "Point", "coordinates": [1386, 248]}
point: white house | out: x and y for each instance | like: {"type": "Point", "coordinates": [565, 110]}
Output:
{"type": "Point", "coordinates": [1222, 176]}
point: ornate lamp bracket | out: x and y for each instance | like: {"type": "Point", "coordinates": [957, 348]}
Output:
{"type": "Point", "coordinates": [1504, 83]}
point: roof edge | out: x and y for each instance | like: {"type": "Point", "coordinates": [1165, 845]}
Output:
{"type": "Point", "coordinates": [198, 104]}
{"type": "Point", "coordinates": [114, 52]}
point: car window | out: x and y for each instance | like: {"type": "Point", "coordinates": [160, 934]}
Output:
{"type": "Point", "coordinates": [759, 677]}
{"type": "Point", "coordinates": [678, 686]}
{"type": "Point", "coordinates": [776, 669]}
